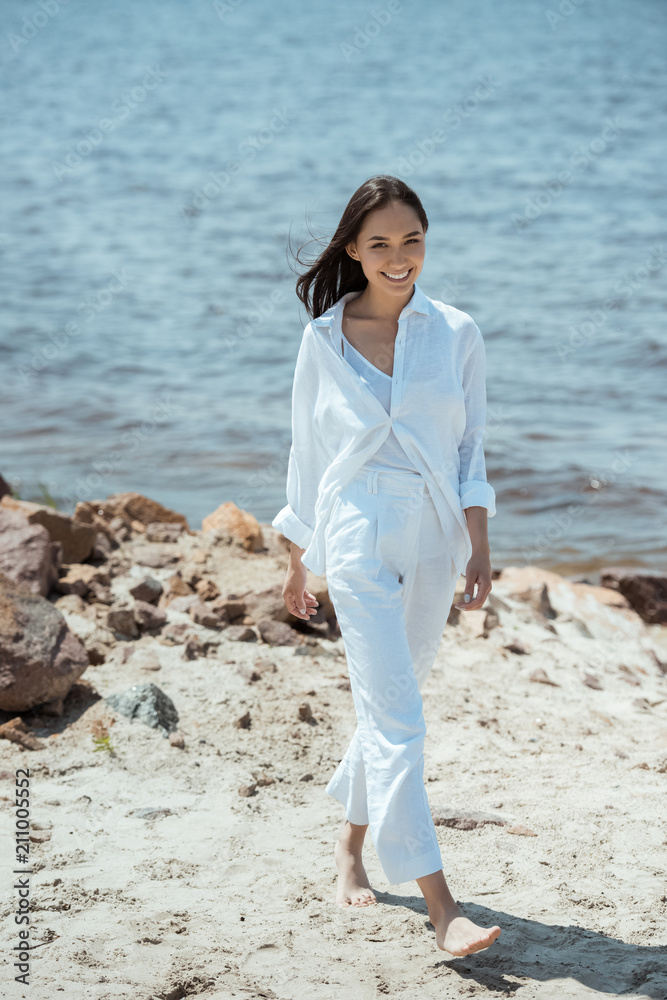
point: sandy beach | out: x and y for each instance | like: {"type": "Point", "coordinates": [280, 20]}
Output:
{"type": "Point", "coordinates": [188, 188]}
{"type": "Point", "coordinates": [200, 863]}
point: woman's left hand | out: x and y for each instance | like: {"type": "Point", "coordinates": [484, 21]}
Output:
{"type": "Point", "coordinates": [478, 571]}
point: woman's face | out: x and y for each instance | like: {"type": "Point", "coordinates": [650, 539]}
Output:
{"type": "Point", "coordinates": [390, 248]}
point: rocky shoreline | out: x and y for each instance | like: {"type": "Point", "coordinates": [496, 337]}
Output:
{"type": "Point", "coordinates": [180, 726]}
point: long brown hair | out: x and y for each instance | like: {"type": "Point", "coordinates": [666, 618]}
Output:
{"type": "Point", "coordinates": [334, 273]}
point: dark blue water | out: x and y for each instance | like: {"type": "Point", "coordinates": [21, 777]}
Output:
{"type": "Point", "coordinates": [156, 156]}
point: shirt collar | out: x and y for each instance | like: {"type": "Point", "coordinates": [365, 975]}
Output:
{"type": "Point", "coordinates": [420, 302]}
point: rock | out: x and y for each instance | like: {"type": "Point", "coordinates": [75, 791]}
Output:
{"type": "Point", "coordinates": [147, 616]}
{"type": "Point", "coordinates": [177, 587]}
{"type": "Point", "coordinates": [541, 677]}
{"type": "Point", "coordinates": [74, 605]}
{"type": "Point", "coordinates": [591, 681]}
{"type": "Point", "coordinates": [121, 564]}
{"type": "Point", "coordinates": [133, 507]}
{"type": "Point", "coordinates": [79, 577]}
{"type": "Point", "coordinates": [147, 703]}
{"type": "Point", "coordinates": [111, 529]}
{"type": "Point", "coordinates": [156, 558]}
{"type": "Point", "coordinates": [5, 489]}
{"type": "Point", "coordinates": [151, 812]}
{"type": "Point", "coordinates": [100, 594]}
{"type": "Point", "coordinates": [174, 633]}
{"type": "Point", "coordinates": [247, 790]}
{"type": "Point", "coordinates": [465, 820]}
{"type": "Point", "coordinates": [99, 644]}
{"type": "Point", "coordinates": [516, 647]}
{"type": "Point", "coordinates": [207, 590]}
{"type": "Point", "coordinates": [267, 603]}
{"type": "Point", "coordinates": [147, 659]}
{"type": "Point", "coordinates": [177, 740]}
{"type": "Point", "coordinates": [278, 633]}
{"type": "Point", "coordinates": [263, 665]}
{"type": "Point", "coordinates": [249, 674]}
{"type": "Point", "coordinates": [40, 836]}
{"type": "Point", "coordinates": [77, 539]}
{"type": "Point", "coordinates": [122, 530]}
{"type": "Point", "coordinates": [229, 609]}
{"type": "Point", "coordinates": [306, 777]}
{"type": "Point", "coordinates": [194, 648]}
{"type": "Point", "coordinates": [537, 596]}
{"type": "Point", "coordinates": [257, 671]}
{"type": "Point", "coordinates": [18, 731]}
{"type": "Point", "coordinates": [305, 713]}
{"type": "Point", "coordinates": [121, 621]}
{"type": "Point", "coordinates": [40, 658]}
{"type": "Point", "coordinates": [158, 531]}
{"type": "Point", "coordinates": [190, 574]}
{"type": "Point", "coordinates": [243, 721]}
{"type": "Point", "coordinates": [28, 557]}
{"type": "Point", "coordinates": [102, 548]}
{"type": "Point", "coordinates": [204, 615]}
{"type": "Point", "coordinates": [263, 779]}
{"type": "Point", "coordinates": [604, 610]}
{"type": "Point", "coordinates": [148, 589]}
{"type": "Point", "coordinates": [240, 633]}
{"type": "Point", "coordinates": [182, 603]}
{"type": "Point", "coordinates": [240, 524]}
{"type": "Point", "coordinates": [520, 831]}
{"type": "Point", "coordinates": [645, 591]}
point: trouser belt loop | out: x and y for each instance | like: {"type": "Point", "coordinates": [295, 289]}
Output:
{"type": "Point", "coordinates": [372, 481]}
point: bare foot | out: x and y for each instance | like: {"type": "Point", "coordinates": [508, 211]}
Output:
{"type": "Point", "coordinates": [354, 889]}
{"type": "Point", "coordinates": [459, 936]}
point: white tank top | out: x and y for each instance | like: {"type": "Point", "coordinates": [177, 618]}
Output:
{"type": "Point", "coordinates": [390, 454]}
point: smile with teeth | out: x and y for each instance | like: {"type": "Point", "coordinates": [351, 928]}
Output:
{"type": "Point", "coordinates": [397, 277]}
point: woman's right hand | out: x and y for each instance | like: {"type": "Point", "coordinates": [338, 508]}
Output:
{"type": "Point", "coordinates": [298, 601]}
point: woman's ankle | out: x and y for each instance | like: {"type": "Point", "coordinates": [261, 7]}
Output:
{"type": "Point", "coordinates": [440, 912]}
{"type": "Point", "coordinates": [351, 837]}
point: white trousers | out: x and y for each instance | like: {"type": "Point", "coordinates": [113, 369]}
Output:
{"type": "Point", "coordinates": [391, 580]}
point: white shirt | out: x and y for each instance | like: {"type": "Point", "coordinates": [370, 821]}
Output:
{"type": "Point", "coordinates": [437, 412]}
{"type": "Point", "coordinates": [391, 454]}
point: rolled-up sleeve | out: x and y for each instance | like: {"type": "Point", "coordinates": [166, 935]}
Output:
{"type": "Point", "coordinates": [474, 489]}
{"type": "Point", "coordinates": [307, 459]}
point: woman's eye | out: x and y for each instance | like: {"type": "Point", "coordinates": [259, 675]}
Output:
{"type": "Point", "coordinates": [376, 245]}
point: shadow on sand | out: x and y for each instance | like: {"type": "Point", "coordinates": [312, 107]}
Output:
{"type": "Point", "coordinates": [541, 952]}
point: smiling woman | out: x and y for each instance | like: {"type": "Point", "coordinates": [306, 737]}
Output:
{"type": "Point", "coordinates": [386, 455]}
